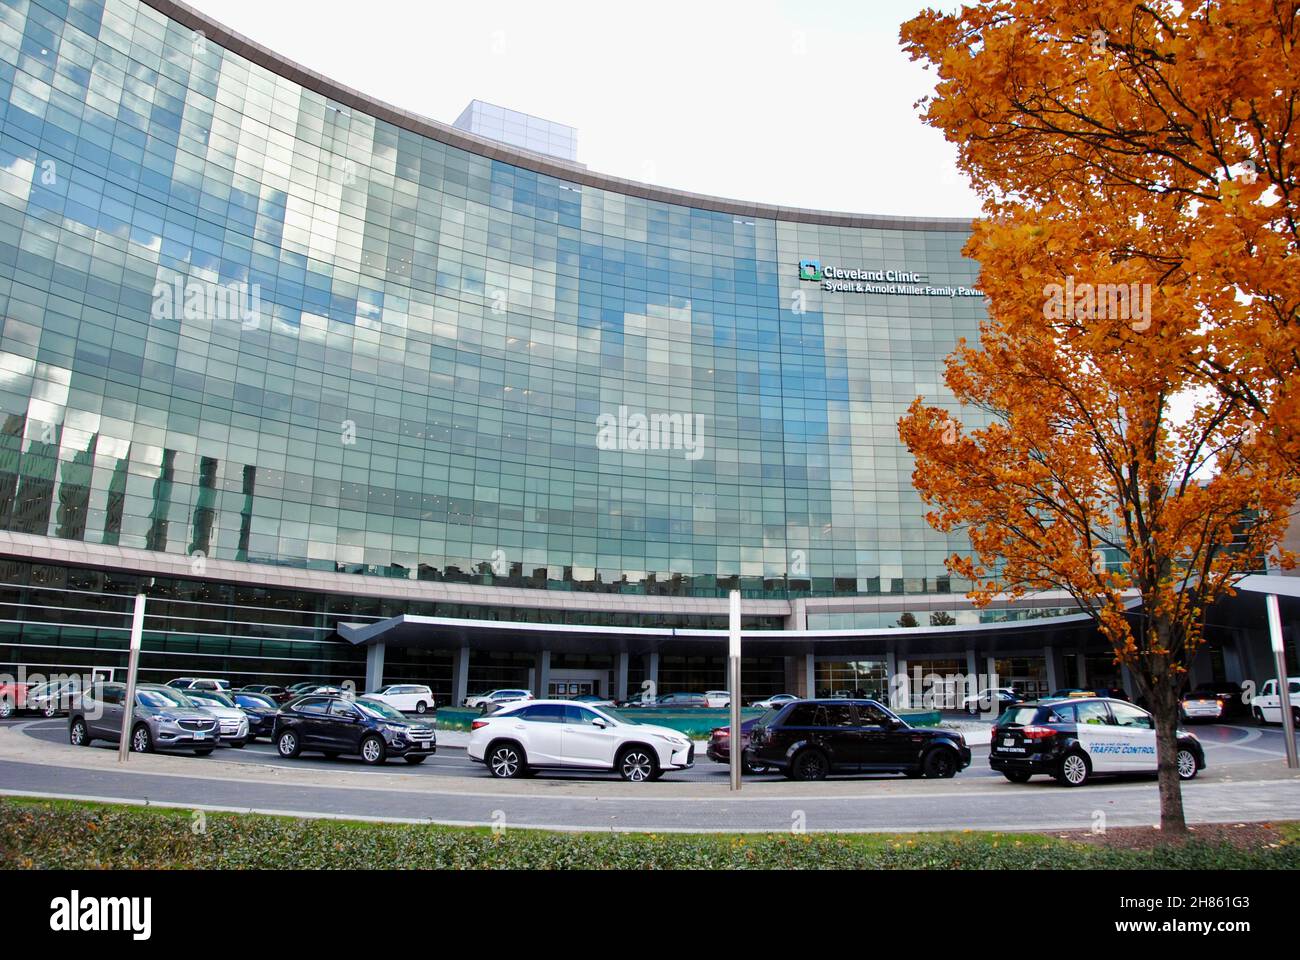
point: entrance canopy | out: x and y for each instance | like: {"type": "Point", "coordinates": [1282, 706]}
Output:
{"type": "Point", "coordinates": [445, 633]}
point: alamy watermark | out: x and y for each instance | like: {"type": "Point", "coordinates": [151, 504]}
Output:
{"type": "Point", "coordinates": [188, 299]}
{"type": "Point", "coordinates": [638, 432]}
{"type": "Point", "coordinates": [1130, 302]}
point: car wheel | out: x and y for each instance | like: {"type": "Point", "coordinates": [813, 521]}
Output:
{"type": "Point", "coordinates": [1073, 770]}
{"type": "Point", "coordinates": [373, 750]}
{"type": "Point", "coordinates": [288, 745]}
{"type": "Point", "coordinates": [506, 760]}
{"type": "Point", "coordinates": [421, 707]}
{"type": "Point", "coordinates": [940, 763]}
{"type": "Point", "coordinates": [414, 760]}
{"type": "Point", "coordinates": [78, 735]}
{"type": "Point", "coordinates": [1186, 761]}
{"type": "Point", "coordinates": [1258, 716]}
{"type": "Point", "coordinates": [49, 712]}
{"type": "Point", "coordinates": [636, 764]}
{"type": "Point", "coordinates": [141, 740]}
{"type": "Point", "coordinates": [810, 764]}
{"type": "Point", "coordinates": [1017, 776]}
{"type": "Point", "coordinates": [482, 709]}
{"type": "Point", "coordinates": [6, 708]}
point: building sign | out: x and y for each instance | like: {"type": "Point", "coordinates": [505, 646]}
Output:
{"type": "Point", "coordinates": [897, 282]}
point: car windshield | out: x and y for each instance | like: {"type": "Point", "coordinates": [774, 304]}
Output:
{"type": "Point", "coordinates": [160, 699]}
{"type": "Point", "coordinates": [255, 700]}
{"type": "Point", "coordinates": [210, 696]}
{"type": "Point", "coordinates": [376, 708]}
{"type": "Point", "coordinates": [1020, 715]}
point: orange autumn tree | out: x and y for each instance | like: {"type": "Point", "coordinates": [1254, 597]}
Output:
{"type": "Point", "coordinates": [1146, 152]}
{"type": "Point", "coordinates": [1191, 109]}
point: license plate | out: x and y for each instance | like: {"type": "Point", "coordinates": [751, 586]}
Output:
{"type": "Point", "coordinates": [1008, 742]}
{"type": "Point", "coordinates": [200, 736]}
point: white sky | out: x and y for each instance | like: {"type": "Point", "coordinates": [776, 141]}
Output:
{"type": "Point", "coordinates": [806, 104]}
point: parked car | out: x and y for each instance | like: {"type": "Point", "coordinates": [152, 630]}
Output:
{"type": "Point", "coordinates": [161, 719]}
{"type": "Point", "coordinates": [231, 720]}
{"type": "Point", "coordinates": [367, 728]}
{"type": "Point", "coordinates": [1267, 705]}
{"type": "Point", "coordinates": [199, 683]}
{"type": "Point", "coordinates": [407, 697]}
{"type": "Point", "coordinates": [1071, 740]}
{"type": "Point", "coordinates": [1211, 701]}
{"type": "Point", "coordinates": [719, 749]}
{"type": "Point", "coordinates": [995, 699]}
{"type": "Point", "coordinates": [276, 693]}
{"type": "Point", "coordinates": [808, 739]}
{"type": "Point", "coordinates": [53, 697]}
{"type": "Point", "coordinates": [260, 709]}
{"type": "Point", "coordinates": [683, 701]}
{"type": "Point", "coordinates": [506, 695]}
{"type": "Point", "coordinates": [13, 697]}
{"type": "Point", "coordinates": [325, 690]}
{"type": "Point", "coordinates": [718, 698]}
{"type": "Point", "coordinates": [543, 734]}
{"type": "Point", "coordinates": [591, 700]}
{"type": "Point", "coordinates": [776, 700]}
{"type": "Point", "coordinates": [642, 699]}
{"type": "Point", "coordinates": [1066, 693]}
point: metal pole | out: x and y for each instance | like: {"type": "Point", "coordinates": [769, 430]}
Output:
{"type": "Point", "coordinates": [1283, 688]}
{"type": "Point", "coordinates": [733, 664]}
{"type": "Point", "coordinates": [133, 662]}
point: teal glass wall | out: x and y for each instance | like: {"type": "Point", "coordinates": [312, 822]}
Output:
{"type": "Point", "coordinates": [412, 377]}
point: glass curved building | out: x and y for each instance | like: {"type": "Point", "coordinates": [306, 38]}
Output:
{"type": "Point", "coordinates": [354, 394]}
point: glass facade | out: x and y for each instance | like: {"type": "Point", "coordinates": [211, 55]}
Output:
{"type": "Point", "coordinates": [245, 321]}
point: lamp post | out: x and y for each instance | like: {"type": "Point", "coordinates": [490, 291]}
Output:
{"type": "Point", "coordinates": [1283, 687]}
{"type": "Point", "coordinates": [132, 664]}
{"type": "Point", "coordinates": [733, 670]}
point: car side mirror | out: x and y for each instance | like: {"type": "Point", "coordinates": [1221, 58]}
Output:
{"type": "Point", "coordinates": [599, 723]}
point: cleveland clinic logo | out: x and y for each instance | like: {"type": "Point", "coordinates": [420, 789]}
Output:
{"type": "Point", "coordinates": [810, 270]}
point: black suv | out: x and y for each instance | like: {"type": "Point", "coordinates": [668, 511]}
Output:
{"type": "Point", "coordinates": [337, 725]}
{"type": "Point", "coordinates": [808, 739]}
{"type": "Point", "coordinates": [1071, 740]}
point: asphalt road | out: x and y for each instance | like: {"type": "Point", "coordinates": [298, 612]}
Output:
{"type": "Point", "coordinates": [1245, 781]}
{"type": "Point", "coordinates": [1224, 743]}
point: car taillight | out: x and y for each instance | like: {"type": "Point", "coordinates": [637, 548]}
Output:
{"type": "Point", "coordinates": [1037, 733]}
{"type": "Point", "coordinates": [1221, 703]}
{"type": "Point", "coordinates": [478, 723]}
{"type": "Point", "coordinates": [993, 733]}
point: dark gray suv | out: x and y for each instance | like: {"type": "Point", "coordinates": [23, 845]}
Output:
{"type": "Point", "coordinates": [162, 719]}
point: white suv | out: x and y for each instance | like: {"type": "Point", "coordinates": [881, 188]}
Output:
{"type": "Point", "coordinates": [718, 698]}
{"type": "Point", "coordinates": [560, 733]}
{"type": "Point", "coordinates": [407, 697]}
{"type": "Point", "coordinates": [1267, 705]}
{"type": "Point", "coordinates": [496, 697]}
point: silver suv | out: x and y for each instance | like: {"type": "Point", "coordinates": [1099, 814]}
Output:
{"type": "Point", "coordinates": [162, 719]}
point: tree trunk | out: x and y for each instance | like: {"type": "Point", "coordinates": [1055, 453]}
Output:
{"type": "Point", "coordinates": [1164, 707]}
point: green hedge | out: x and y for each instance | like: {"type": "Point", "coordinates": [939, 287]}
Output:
{"type": "Point", "coordinates": [58, 834]}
